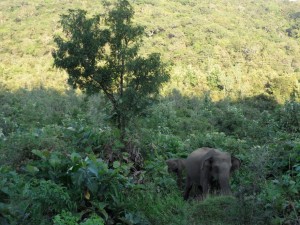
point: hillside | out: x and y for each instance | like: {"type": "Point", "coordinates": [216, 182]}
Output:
{"type": "Point", "coordinates": [232, 48]}
{"type": "Point", "coordinates": [234, 69]}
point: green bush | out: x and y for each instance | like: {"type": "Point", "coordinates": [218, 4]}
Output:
{"type": "Point", "coordinates": [39, 107]}
{"type": "Point", "coordinates": [289, 116]}
{"type": "Point", "coordinates": [218, 210]}
{"type": "Point", "coordinates": [275, 192]}
{"type": "Point", "coordinates": [160, 207]}
{"type": "Point", "coordinates": [217, 140]}
{"type": "Point", "coordinates": [18, 146]}
{"type": "Point", "coordinates": [157, 176]}
{"type": "Point", "coordinates": [46, 199]}
{"type": "Point", "coordinates": [87, 177]}
{"type": "Point", "coordinates": [66, 218]}
{"type": "Point", "coordinates": [31, 201]}
{"type": "Point", "coordinates": [88, 181]}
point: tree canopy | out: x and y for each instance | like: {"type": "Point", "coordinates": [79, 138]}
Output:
{"type": "Point", "coordinates": [103, 56]}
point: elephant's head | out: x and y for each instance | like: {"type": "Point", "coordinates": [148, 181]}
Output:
{"type": "Point", "coordinates": [175, 165]}
{"type": "Point", "coordinates": [219, 166]}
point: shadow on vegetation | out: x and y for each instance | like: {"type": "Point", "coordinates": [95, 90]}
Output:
{"type": "Point", "coordinates": [256, 129]}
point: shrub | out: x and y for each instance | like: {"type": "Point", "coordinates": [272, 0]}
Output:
{"type": "Point", "coordinates": [31, 201]}
{"type": "Point", "coordinates": [93, 185]}
{"type": "Point", "coordinates": [217, 210]}
{"type": "Point", "coordinates": [46, 199]}
{"type": "Point", "coordinates": [275, 192]}
{"type": "Point", "coordinates": [157, 176]}
{"type": "Point", "coordinates": [289, 116]}
{"type": "Point", "coordinates": [67, 218]}
{"type": "Point", "coordinates": [17, 146]}
{"type": "Point", "coordinates": [160, 207]}
{"type": "Point", "coordinates": [217, 140]}
{"type": "Point", "coordinates": [50, 183]}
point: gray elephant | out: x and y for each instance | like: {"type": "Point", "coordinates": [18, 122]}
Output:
{"type": "Point", "coordinates": [209, 167]}
{"type": "Point", "coordinates": [176, 166]}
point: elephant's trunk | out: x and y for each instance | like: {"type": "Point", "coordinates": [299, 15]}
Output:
{"type": "Point", "coordinates": [224, 185]}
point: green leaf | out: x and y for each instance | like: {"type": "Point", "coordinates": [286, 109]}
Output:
{"type": "Point", "coordinates": [54, 161]}
{"type": "Point", "coordinates": [79, 177]}
{"type": "Point", "coordinates": [75, 157]}
{"type": "Point", "coordinates": [100, 205]}
{"type": "Point", "coordinates": [116, 164]}
{"type": "Point", "coordinates": [93, 169]}
{"type": "Point", "coordinates": [32, 169]}
{"type": "Point", "coordinates": [42, 154]}
{"type": "Point", "coordinates": [92, 186]}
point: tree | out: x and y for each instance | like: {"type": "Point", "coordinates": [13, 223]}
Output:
{"type": "Point", "coordinates": [107, 60]}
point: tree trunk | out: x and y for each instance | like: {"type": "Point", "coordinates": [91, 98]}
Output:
{"type": "Point", "coordinates": [122, 117]}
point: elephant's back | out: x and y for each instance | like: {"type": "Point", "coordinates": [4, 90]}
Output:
{"type": "Point", "coordinates": [199, 153]}
{"type": "Point", "coordinates": [193, 163]}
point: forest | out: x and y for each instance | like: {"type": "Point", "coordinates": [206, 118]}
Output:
{"type": "Point", "coordinates": [97, 96]}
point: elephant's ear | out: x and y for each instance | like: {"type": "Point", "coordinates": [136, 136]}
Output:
{"type": "Point", "coordinates": [207, 159]}
{"type": "Point", "coordinates": [236, 163]}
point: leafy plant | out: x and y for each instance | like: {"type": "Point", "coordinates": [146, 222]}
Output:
{"type": "Point", "coordinates": [289, 116]}
{"type": "Point", "coordinates": [31, 201]}
{"type": "Point", "coordinates": [95, 179]}
{"type": "Point", "coordinates": [91, 182]}
{"type": "Point", "coordinates": [135, 219]}
{"type": "Point", "coordinates": [66, 218]}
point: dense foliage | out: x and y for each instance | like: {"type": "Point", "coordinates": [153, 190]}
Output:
{"type": "Point", "coordinates": [234, 86]}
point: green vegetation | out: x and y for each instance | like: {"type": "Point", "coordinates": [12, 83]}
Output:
{"type": "Point", "coordinates": [234, 85]}
{"type": "Point", "coordinates": [107, 59]}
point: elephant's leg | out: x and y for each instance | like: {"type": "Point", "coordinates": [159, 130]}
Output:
{"type": "Point", "coordinates": [179, 180]}
{"type": "Point", "coordinates": [200, 189]}
{"type": "Point", "coordinates": [188, 187]}
{"type": "Point", "coordinates": [200, 193]}
{"type": "Point", "coordinates": [205, 188]}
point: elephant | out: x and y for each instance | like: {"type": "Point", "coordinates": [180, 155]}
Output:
{"type": "Point", "coordinates": [176, 166]}
{"type": "Point", "coordinates": [209, 168]}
